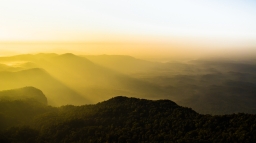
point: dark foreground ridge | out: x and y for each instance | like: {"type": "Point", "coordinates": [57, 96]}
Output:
{"type": "Point", "coordinates": [120, 120]}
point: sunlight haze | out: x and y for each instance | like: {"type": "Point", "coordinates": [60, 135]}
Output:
{"type": "Point", "coordinates": [127, 71]}
{"type": "Point", "coordinates": [200, 27]}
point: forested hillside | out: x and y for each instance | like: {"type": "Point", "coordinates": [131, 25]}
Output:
{"type": "Point", "coordinates": [121, 119]}
{"type": "Point", "coordinates": [23, 94]}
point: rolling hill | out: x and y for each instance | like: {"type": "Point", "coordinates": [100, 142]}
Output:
{"type": "Point", "coordinates": [25, 93]}
{"type": "Point", "coordinates": [56, 92]}
{"type": "Point", "coordinates": [122, 119]}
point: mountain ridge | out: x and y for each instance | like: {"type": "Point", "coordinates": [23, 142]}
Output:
{"type": "Point", "coordinates": [25, 93]}
{"type": "Point", "coordinates": [128, 119]}
{"type": "Point", "coordinates": [97, 78]}
{"type": "Point", "coordinates": [56, 92]}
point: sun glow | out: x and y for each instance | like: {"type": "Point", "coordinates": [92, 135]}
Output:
{"type": "Point", "coordinates": [98, 27]}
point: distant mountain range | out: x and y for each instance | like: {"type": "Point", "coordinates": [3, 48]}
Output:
{"type": "Point", "coordinates": [209, 86]}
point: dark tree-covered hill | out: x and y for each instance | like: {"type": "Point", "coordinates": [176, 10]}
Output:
{"type": "Point", "coordinates": [25, 93]}
{"type": "Point", "coordinates": [122, 119]}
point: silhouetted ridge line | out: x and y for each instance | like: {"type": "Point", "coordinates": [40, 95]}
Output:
{"type": "Point", "coordinates": [123, 99]}
{"type": "Point", "coordinates": [68, 55]}
{"type": "Point", "coordinates": [71, 59]}
{"type": "Point", "coordinates": [121, 119]}
{"type": "Point", "coordinates": [41, 70]}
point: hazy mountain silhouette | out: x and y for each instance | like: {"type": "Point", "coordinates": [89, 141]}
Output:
{"type": "Point", "coordinates": [56, 92]}
{"type": "Point", "coordinates": [88, 78]}
{"type": "Point", "coordinates": [229, 65]}
{"type": "Point", "coordinates": [216, 87]}
{"type": "Point", "coordinates": [23, 57]}
{"type": "Point", "coordinates": [208, 86]}
{"type": "Point", "coordinates": [25, 93]}
{"type": "Point", "coordinates": [4, 67]}
{"type": "Point", "coordinates": [28, 57]}
{"type": "Point", "coordinates": [123, 63]}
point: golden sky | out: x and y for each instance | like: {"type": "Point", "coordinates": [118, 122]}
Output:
{"type": "Point", "coordinates": [157, 27]}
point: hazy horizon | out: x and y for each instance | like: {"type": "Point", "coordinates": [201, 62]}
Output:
{"type": "Point", "coordinates": [147, 51]}
{"type": "Point", "coordinates": [152, 30]}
